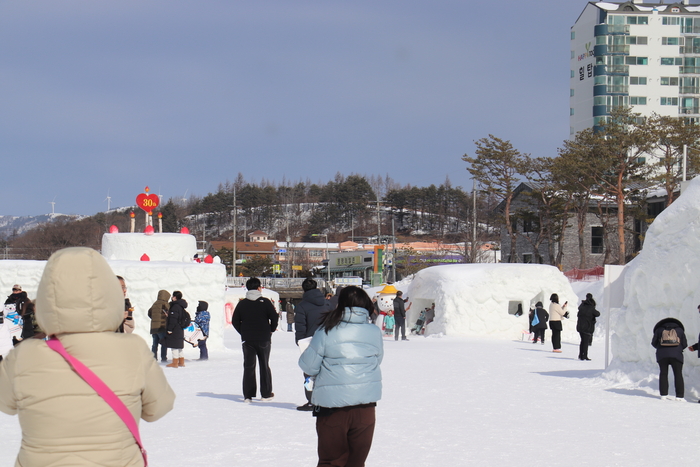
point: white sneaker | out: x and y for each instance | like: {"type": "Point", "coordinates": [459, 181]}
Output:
{"type": "Point", "coordinates": [248, 401]}
{"type": "Point", "coordinates": [668, 398]}
{"type": "Point", "coordinates": [268, 399]}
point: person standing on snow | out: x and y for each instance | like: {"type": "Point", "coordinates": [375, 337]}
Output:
{"type": "Point", "coordinates": [541, 326]}
{"type": "Point", "coordinates": [128, 323]}
{"type": "Point", "coordinates": [289, 309]}
{"type": "Point", "coordinates": [64, 421]}
{"type": "Point", "coordinates": [585, 325]}
{"type": "Point", "coordinates": [255, 319]}
{"type": "Point", "coordinates": [159, 315]}
{"type": "Point", "coordinates": [400, 316]}
{"type": "Point", "coordinates": [556, 314]}
{"type": "Point", "coordinates": [174, 333]}
{"type": "Point", "coordinates": [344, 356]}
{"type": "Point", "coordinates": [201, 319]}
{"type": "Point", "coordinates": [670, 352]}
{"type": "Point", "coordinates": [307, 318]}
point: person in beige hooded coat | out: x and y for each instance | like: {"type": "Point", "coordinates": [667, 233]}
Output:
{"type": "Point", "coordinates": [64, 421]}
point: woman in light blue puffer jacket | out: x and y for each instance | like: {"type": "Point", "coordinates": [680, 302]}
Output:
{"type": "Point", "coordinates": [344, 356]}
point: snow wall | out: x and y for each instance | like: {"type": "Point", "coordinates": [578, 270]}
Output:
{"type": "Point", "coordinates": [196, 281]}
{"type": "Point", "coordinates": [662, 281]}
{"type": "Point", "coordinates": [481, 299]}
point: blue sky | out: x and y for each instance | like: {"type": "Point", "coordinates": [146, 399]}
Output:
{"type": "Point", "coordinates": [112, 96]}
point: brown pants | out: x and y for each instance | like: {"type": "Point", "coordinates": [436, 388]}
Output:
{"type": "Point", "coordinates": [345, 436]}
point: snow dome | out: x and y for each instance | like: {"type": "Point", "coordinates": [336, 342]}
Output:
{"type": "Point", "coordinates": [662, 281]}
{"type": "Point", "coordinates": [482, 299]}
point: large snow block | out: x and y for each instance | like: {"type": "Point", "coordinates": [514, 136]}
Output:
{"type": "Point", "coordinates": [477, 299]}
{"type": "Point", "coordinates": [158, 247]}
{"type": "Point", "coordinates": [196, 281]}
{"type": "Point", "coordinates": [662, 281]}
{"type": "Point", "coordinates": [143, 281]}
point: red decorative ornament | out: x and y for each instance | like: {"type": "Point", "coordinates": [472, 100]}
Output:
{"type": "Point", "coordinates": [147, 202]}
{"type": "Point", "coordinates": [208, 259]}
{"type": "Point", "coordinates": [113, 229]}
{"type": "Point", "coordinates": [145, 257]}
{"type": "Point", "coordinates": [132, 215]}
{"type": "Point", "coordinates": [149, 230]}
{"type": "Point", "coordinates": [184, 230]}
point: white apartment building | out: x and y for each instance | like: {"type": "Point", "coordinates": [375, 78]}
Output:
{"type": "Point", "coordinates": [643, 55]}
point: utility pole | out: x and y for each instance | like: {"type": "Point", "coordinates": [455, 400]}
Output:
{"type": "Point", "coordinates": [235, 216]}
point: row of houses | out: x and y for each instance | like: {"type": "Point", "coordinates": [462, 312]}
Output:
{"type": "Point", "coordinates": [348, 259]}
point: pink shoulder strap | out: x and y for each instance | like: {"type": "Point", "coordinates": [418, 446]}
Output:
{"type": "Point", "coordinates": [102, 390]}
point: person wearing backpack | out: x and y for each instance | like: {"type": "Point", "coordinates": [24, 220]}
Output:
{"type": "Point", "coordinates": [538, 322]}
{"type": "Point", "coordinates": [174, 327]}
{"type": "Point", "coordinates": [669, 341]}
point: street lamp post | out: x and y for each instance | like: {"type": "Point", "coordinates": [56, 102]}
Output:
{"type": "Point", "coordinates": [328, 258]}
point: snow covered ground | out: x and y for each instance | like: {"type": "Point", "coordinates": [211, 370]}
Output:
{"type": "Point", "coordinates": [448, 401]}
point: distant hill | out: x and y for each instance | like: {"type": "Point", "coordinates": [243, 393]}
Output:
{"type": "Point", "coordinates": [17, 225]}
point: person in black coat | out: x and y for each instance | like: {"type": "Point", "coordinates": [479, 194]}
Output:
{"type": "Point", "coordinates": [175, 334]}
{"type": "Point", "coordinates": [541, 326]}
{"type": "Point", "coordinates": [255, 319]}
{"type": "Point", "coordinates": [400, 316]}
{"type": "Point", "coordinates": [670, 355]}
{"type": "Point", "coordinates": [585, 325]}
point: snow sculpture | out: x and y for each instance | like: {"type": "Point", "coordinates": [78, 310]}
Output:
{"type": "Point", "coordinates": [474, 299]}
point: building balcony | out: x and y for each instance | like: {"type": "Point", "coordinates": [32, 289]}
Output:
{"type": "Point", "coordinates": [690, 110]}
{"type": "Point", "coordinates": [690, 29]}
{"type": "Point", "coordinates": [690, 50]}
{"type": "Point", "coordinates": [689, 70]}
{"type": "Point", "coordinates": [611, 29]}
{"type": "Point", "coordinates": [689, 90]}
{"type": "Point", "coordinates": [611, 70]}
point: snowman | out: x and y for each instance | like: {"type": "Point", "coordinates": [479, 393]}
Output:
{"type": "Point", "coordinates": [385, 302]}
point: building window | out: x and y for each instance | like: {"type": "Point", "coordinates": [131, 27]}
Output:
{"type": "Point", "coordinates": [596, 240]}
{"type": "Point", "coordinates": [675, 9]}
{"type": "Point", "coordinates": [316, 253]}
{"type": "Point", "coordinates": [671, 41]}
{"type": "Point", "coordinates": [676, 61]}
{"type": "Point", "coordinates": [571, 93]}
{"type": "Point", "coordinates": [638, 100]}
{"type": "Point", "coordinates": [571, 111]}
{"type": "Point", "coordinates": [636, 60]}
{"type": "Point", "coordinates": [573, 54]}
{"type": "Point", "coordinates": [527, 258]}
{"type": "Point", "coordinates": [669, 81]}
{"type": "Point", "coordinates": [636, 40]}
{"type": "Point", "coordinates": [573, 35]}
{"type": "Point", "coordinates": [637, 20]}
{"type": "Point", "coordinates": [638, 80]}
{"type": "Point", "coordinates": [571, 130]}
{"type": "Point", "coordinates": [573, 73]}
{"type": "Point", "coordinates": [669, 101]}
{"type": "Point", "coordinates": [671, 20]}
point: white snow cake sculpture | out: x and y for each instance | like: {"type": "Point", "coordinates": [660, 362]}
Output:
{"type": "Point", "coordinates": [662, 281]}
{"type": "Point", "coordinates": [158, 247]}
{"type": "Point", "coordinates": [479, 299]}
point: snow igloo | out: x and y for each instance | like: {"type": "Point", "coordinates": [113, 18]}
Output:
{"type": "Point", "coordinates": [482, 299]}
{"type": "Point", "coordinates": [662, 281]}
